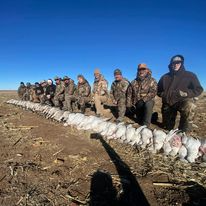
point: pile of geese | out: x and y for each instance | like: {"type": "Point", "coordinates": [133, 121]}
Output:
{"type": "Point", "coordinates": [173, 143]}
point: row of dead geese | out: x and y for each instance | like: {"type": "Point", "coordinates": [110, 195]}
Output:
{"type": "Point", "coordinates": [173, 143]}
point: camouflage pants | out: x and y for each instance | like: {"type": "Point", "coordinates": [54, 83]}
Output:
{"type": "Point", "coordinates": [21, 95]}
{"type": "Point", "coordinates": [82, 102]}
{"type": "Point", "coordinates": [26, 97]}
{"type": "Point", "coordinates": [98, 100]}
{"type": "Point", "coordinates": [58, 100]}
{"type": "Point", "coordinates": [42, 98]}
{"type": "Point", "coordinates": [36, 98]}
{"type": "Point", "coordinates": [186, 110]}
{"type": "Point", "coordinates": [69, 99]}
{"type": "Point", "coordinates": [121, 108]}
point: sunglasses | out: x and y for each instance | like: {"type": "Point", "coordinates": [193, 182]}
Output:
{"type": "Point", "coordinates": [178, 62]}
{"type": "Point", "coordinates": [142, 69]}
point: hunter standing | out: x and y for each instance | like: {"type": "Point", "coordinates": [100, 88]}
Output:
{"type": "Point", "coordinates": [177, 89]}
{"type": "Point", "coordinates": [100, 92]}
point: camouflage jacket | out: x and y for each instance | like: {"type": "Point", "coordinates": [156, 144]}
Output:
{"type": "Point", "coordinates": [145, 89]}
{"type": "Point", "coordinates": [28, 90]}
{"type": "Point", "coordinates": [59, 88]}
{"type": "Point", "coordinates": [83, 89]}
{"type": "Point", "coordinates": [119, 89]}
{"type": "Point", "coordinates": [44, 88]}
{"type": "Point", "coordinates": [100, 86]}
{"type": "Point", "coordinates": [69, 87]}
{"type": "Point", "coordinates": [21, 90]}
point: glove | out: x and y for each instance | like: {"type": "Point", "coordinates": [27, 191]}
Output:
{"type": "Point", "coordinates": [114, 102]}
{"type": "Point", "coordinates": [183, 94]}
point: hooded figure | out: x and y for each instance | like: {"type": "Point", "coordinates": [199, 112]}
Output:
{"type": "Point", "coordinates": [177, 88]}
{"type": "Point", "coordinates": [50, 89]}
{"type": "Point", "coordinates": [144, 91]}
{"type": "Point", "coordinates": [50, 92]}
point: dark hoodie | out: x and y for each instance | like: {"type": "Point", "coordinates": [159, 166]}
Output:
{"type": "Point", "coordinates": [50, 90]}
{"type": "Point", "coordinates": [170, 84]}
{"type": "Point", "coordinates": [38, 89]}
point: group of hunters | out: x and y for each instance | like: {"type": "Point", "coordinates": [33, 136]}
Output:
{"type": "Point", "coordinates": [177, 88]}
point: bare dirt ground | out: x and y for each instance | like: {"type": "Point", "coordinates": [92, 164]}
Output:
{"type": "Point", "coordinates": [45, 163]}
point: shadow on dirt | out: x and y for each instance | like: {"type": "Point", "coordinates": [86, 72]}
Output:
{"type": "Point", "coordinates": [102, 190]}
{"type": "Point", "coordinates": [197, 195]}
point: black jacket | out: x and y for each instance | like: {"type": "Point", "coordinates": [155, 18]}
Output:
{"type": "Point", "coordinates": [38, 90]}
{"type": "Point", "coordinates": [50, 90]}
{"type": "Point", "coordinates": [171, 83]}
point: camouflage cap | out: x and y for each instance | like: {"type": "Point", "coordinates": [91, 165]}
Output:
{"type": "Point", "coordinates": [117, 71]}
{"type": "Point", "coordinates": [56, 78]}
{"type": "Point", "coordinates": [142, 66]}
{"type": "Point", "coordinates": [66, 78]}
{"type": "Point", "coordinates": [97, 71]}
{"type": "Point", "coordinates": [80, 76]}
{"type": "Point", "coordinates": [43, 81]}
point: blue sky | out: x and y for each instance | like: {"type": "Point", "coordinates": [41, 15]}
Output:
{"type": "Point", "coordinates": [43, 38]}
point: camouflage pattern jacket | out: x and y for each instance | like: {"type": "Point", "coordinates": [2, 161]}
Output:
{"type": "Point", "coordinates": [83, 89]}
{"type": "Point", "coordinates": [29, 91]}
{"type": "Point", "coordinates": [59, 88]}
{"type": "Point", "coordinates": [119, 89]}
{"type": "Point", "coordinates": [21, 91]}
{"type": "Point", "coordinates": [144, 89]}
{"type": "Point", "coordinates": [100, 86]}
{"type": "Point", "coordinates": [69, 87]}
{"type": "Point", "coordinates": [44, 88]}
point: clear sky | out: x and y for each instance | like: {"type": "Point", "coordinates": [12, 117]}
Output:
{"type": "Point", "coordinates": [43, 38]}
